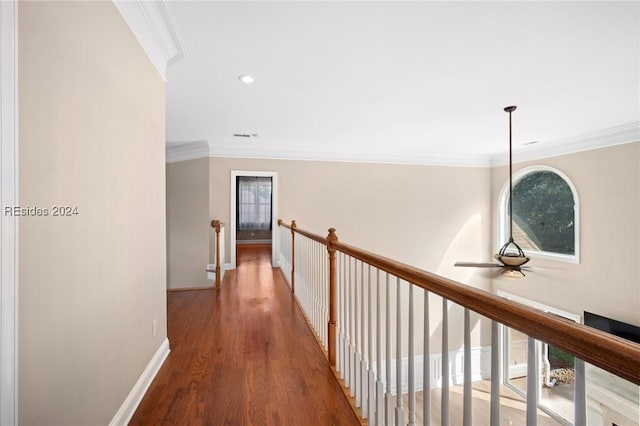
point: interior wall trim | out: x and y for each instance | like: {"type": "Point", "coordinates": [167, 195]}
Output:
{"type": "Point", "coordinates": [184, 151]}
{"type": "Point", "coordinates": [8, 223]}
{"type": "Point", "coordinates": [131, 402]}
{"type": "Point", "coordinates": [619, 135]}
{"type": "Point", "coordinates": [628, 133]}
{"type": "Point", "coordinates": [155, 27]}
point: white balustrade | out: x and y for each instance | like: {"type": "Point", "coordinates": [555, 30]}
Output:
{"type": "Point", "coordinates": [387, 377]}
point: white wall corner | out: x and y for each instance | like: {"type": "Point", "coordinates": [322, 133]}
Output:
{"type": "Point", "coordinates": [9, 224]}
{"type": "Point", "coordinates": [155, 27]}
{"type": "Point", "coordinates": [184, 151]}
{"type": "Point", "coordinates": [130, 404]}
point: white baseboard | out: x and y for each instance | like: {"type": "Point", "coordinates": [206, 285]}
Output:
{"type": "Point", "coordinates": [211, 276]}
{"type": "Point", "coordinates": [263, 241]}
{"type": "Point", "coordinates": [227, 267]}
{"type": "Point", "coordinates": [517, 370]}
{"type": "Point", "coordinates": [130, 404]}
{"type": "Point", "coordinates": [480, 368]}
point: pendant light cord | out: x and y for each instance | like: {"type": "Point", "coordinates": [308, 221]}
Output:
{"type": "Point", "coordinates": [510, 184]}
{"type": "Point", "coordinates": [511, 242]}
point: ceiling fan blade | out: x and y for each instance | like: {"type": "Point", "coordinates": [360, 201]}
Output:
{"type": "Point", "coordinates": [479, 264]}
{"type": "Point", "coordinates": [541, 268]}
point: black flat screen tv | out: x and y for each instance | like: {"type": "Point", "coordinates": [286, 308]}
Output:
{"type": "Point", "coordinates": [617, 328]}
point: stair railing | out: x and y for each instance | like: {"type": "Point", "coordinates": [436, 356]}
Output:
{"type": "Point", "coordinates": [363, 309]}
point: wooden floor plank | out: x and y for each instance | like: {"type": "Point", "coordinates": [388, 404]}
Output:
{"type": "Point", "coordinates": [243, 355]}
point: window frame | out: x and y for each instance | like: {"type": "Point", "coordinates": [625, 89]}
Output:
{"type": "Point", "coordinates": [503, 219]}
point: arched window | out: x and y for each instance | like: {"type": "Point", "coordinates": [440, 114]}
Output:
{"type": "Point", "coordinates": [545, 213]}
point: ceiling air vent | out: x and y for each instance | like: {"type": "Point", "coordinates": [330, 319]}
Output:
{"type": "Point", "coordinates": [245, 135]}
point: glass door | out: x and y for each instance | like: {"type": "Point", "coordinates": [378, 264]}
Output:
{"type": "Point", "coordinates": [556, 367]}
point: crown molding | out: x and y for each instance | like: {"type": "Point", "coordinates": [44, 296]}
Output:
{"type": "Point", "coordinates": [155, 27]}
{"type": "Point", "coordinates": [281, 153]}
{"type": "Point", "coordinates": [184, 151]}
{"type": "Point", "coordinates": [618, 135]}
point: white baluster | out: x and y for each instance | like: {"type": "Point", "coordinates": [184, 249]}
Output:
{"type": "Point", "coordinates": [495, 374]}
{"type": "Point", "coordinates": [322, 323]}
{"type": "Point", "coordinates": [345, 320]}
{"type": "Point", "coordinates": [305, 278]}
{"type": "Point", "coordinates": [371, 378]}
{"type": "Point", "coordinates": [389, 394]}
{"type": "Point", "coordinates": [580, 397]}
{"type": "Point", "coordinates": [399, 407]}
{"type": "Point", "coordinates": [466, 394]}
{"type": "Point", "coordinates": [426, 365]}
{"type": "Point", "coordinates": [314, 282]}
{"type": "Point", "coordinates": [325, 296]}
{"type": "Point", "coordinates": [379, 382]}
{"type": "Point", "coordinates": [411, 374]}
{"type": "Point", "coordinates": [339, 313]}
{"type": "Point", "coordinates": [532, 382]}
{"type": "Point", "coordinates": [352, 350]}
{"type": "Point", "coordinates": [444, 409]}
{"type": "Point", "coordinates": [363, 347]}
{"type": "Point", "coordinates": [349, 380]}
{"type": "Point", "coordinates": [320, 289]}
{"type": "Point", "coordinates": [358, 344]}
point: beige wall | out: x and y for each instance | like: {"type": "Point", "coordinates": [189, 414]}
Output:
{"type": "Point", "coordinates": [427, 216]}
{"type": "Point", "coordinates": [92, 136]}
{"type": "Point", "coordinates": [188, 223]}
{"type": "Point", "coordinates": [415, 214]}
{"type": "Point", "coordinates": [607, 279]}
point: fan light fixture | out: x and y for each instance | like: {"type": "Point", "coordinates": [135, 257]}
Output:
{"type": "Point", "coordinates": [510, 255]}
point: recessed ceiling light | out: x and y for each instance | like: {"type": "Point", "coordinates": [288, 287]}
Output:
{"type": "Point", "coordinates": [246, 79]}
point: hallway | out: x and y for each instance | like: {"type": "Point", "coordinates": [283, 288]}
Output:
{"type": "Point", "coordinates": [243, 355]}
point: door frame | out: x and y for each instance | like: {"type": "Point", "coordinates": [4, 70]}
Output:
{"type": "Point", "coordinates": [274, 212]}
{"type": "Point", "coordinates": [9, 223]}
{"type": "Point", "coordinates": [505, 348]}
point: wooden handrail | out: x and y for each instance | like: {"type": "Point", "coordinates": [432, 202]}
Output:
{"type": "Point", "coordinates": [217, 225]}
{"type": "Point", "coordinates": [616, 355]}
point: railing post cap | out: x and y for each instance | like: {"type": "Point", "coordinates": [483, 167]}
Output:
{"type": "Point", "coordinates": [293, 224]}
{"type": "Point", "coordinates": [214, 222]}
{"type": "Point", "coordinates": [279, 222]}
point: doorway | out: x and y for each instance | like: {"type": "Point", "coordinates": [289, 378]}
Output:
{"type": "Point", "coordinates": [254, 212]}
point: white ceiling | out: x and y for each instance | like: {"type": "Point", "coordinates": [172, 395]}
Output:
{"type": "Point", "coordinates": [422, 82]}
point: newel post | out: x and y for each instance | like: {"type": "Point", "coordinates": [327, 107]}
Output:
{"type": "Point", "coordinates": [216, 225]}
{"type": "Point", "coordinates": [293, 256]}
{"type": "Point", "coordinates": [332, 238]}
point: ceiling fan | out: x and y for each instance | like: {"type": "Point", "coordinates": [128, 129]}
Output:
{"type": "Point", "coordinates": [511, 258]}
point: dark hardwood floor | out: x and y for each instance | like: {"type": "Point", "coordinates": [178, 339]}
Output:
{"type": "Point", "coordinates": [243, 355]}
